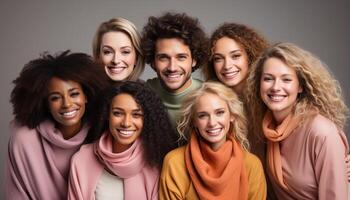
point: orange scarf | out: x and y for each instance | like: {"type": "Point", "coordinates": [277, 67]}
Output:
{"type": "Point", "coordinates": [217, 174]}
{"type": "Point", "coordinates": [275, 134]}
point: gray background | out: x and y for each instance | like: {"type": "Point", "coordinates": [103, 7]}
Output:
{"type": "Point", "coordinates": [29, 28]}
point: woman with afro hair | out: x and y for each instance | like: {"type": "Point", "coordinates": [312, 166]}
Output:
{"type": "Point", "coordinates": [132, 133]}
{"type": "Point", "coordinates": [52, 100]}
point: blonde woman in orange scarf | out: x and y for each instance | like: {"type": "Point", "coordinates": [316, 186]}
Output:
{"type": "Point", "coordinates": [215, 164]}
{"type": "Point", "coordinates": [302, 113]}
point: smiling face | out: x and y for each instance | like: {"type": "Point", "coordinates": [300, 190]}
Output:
{"type": "Point", "coordinates": [212, 119]}
{"type": "Point", "coordinates": [66, 102]}
{"type": "Point", "coordinates": [279, 88]}
{"type": "Point", "coordinates": [230, 63]}
{"type": "Point", "coordinates": [125, 121]}
{"type": "Point", "coordinates": [118, 55]}
{"type": "Point", "coordinates": [173, 63]}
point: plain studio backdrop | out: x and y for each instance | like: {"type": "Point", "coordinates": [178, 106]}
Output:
{"type": "Point", "coordinates": [29, 28]}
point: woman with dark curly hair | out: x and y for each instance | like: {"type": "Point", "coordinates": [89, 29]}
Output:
{"type": "Point", "coordinates": [215, 164]}
{"type": "Point", "coordinates": [134, 134]}
{"type": "Point", "coordinates": [174, 45]}
{"type": "Point", "coordinates": [117, 45]}
{"type": "Point", "coordinates": [233, 49]}
{"type": "Point", "coordinates": [52, 103]}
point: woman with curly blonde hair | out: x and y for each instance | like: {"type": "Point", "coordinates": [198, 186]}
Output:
{"type": "Point", "coordinates": [215, 164]}
{"type": "Point", "coordinates": [299, 104]}
{"type": "Point", "coordinates": [117, 44]}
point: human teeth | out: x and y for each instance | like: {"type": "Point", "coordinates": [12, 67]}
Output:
{"type": "Point", "coordinates": [116, 69]}
{"type": "Point", "coordinates": [126, 132]}
{"type": "Point", "coordinates": [173, 75]}
{"type": "Point", "coordinates": [276, 97]}
{"type": "Point", "coordinates": [69, 114]}
{"type": "Point", "coordinates": [230, 74]}
{"type": "Point", "coordinates": [214, 131]}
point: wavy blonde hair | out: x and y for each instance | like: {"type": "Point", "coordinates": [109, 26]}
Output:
{"type": "Point", "coordinates": [238, 127]}
{"type": "Point", "coordinates": [320, 90]}
{"type": "Point", "coordinates": [121, 25]}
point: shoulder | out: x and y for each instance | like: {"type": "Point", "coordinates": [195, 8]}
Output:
{"type": "Point", "coordinates": [325, 137]}
{"type": "Point", "coordinates": [84, 156]}
{"type": "Point", "coordinates": [320, 129]}
{"type": "Point", "coordinates": [256, 177]}
{"type": "Point", "coordinates": [175, 157]}
{"type": "Point", "coordinates": [196, 83]}
{"type": "Point", "coordinates": [153, 82]}
{"type": "Point", "coordinates": [22, 136]}
{"type": "Point", "coordinates": [85, 160]}
{"type": "Point", "coordinates": [252, 163]}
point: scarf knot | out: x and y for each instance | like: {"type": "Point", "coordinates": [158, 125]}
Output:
{"type": "Point", "coordinates": [217, 174]}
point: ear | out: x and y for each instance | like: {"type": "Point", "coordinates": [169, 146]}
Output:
{"type": "Point", "coordinates": [152, 65]}
{"type": "Point", "coordinates": [300, 90]}
{"type": "Point", "coordinates": [232, 118]}
{"type": "Point", "coordinates": [194, 62]}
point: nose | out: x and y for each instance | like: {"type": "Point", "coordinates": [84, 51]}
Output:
{"type": "Point", "coordinates": [115, 59]}
{"type": "Point", "coordinates": [276, 85]}
{"type": "Point", "coordinates": [126, 121]}
{"type": "Point", "coordinates": [172, 64]}
{"type": "Point", "coordinates": [227, 63]}
{"type": "Point", "coordinates": [67, 102]}
{"type": "Point", "coordinates": [212, 121]}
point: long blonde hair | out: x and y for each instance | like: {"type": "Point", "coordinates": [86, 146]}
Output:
{"type": "Point", "coordinates": [238, 126]}
{"type": "Point", "coordinates": [320, 90]}
{"type": "Point", "coordinates": [127, 27]}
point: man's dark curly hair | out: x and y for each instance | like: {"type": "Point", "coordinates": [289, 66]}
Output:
{"type": "Point", "coordinates": [157, 137]}
{"type": "Point", "coordinates": [175, 25]}
{"type": "Point", "coordinates": [250, 40]}
{"type": "Point", "coordinates": [29, 96]}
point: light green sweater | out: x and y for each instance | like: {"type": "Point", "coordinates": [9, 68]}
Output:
{"type": "Point", "coordinates": [172, 101]}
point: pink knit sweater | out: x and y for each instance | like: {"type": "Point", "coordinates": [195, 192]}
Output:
{"type": "Point", "coordinates": [140, 180]}
{"type": "Point", "coordinates": [38, 162]}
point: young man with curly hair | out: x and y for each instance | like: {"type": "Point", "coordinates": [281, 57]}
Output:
{"type": "Point", "coordinates": [174, 45]}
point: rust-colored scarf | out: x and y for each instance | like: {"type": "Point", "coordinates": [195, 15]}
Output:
{"type": "Point", "coordinates": [275, 134]}
{"type": "Point", "coordinates": [217, 174]}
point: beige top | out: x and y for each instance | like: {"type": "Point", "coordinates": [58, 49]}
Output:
{"type": "Point", "coordinates": [109, 187]}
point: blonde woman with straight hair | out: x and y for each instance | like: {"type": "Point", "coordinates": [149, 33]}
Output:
{"type": "Point", "coordinates": [215, 164]}
{"type": "Point", "coordinates": [300, 106]}
{"type": "Point", "coordinates": [116, 44]}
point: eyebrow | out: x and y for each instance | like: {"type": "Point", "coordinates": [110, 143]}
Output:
{"type": "Point", "coordinates": [70, 90]}
{"type": "Point", "coordinates": [283, 75]}
{"type": "Point", "coordinates": [119, 108]}
{"type": "Point", "coordinates": [218, 109]}
{"type": "Point", "coordinates": [231, 52]}
{"type": "Point", "coordinates": [123, 47]}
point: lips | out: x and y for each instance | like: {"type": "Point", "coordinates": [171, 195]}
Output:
{"type": "Point", "coordinates": [126, 133]}
{"type": "Point", "coordinates": [214, 131]}
{"type": "Point", "coordinates": [69, 114]}
{"type": "Point", "coordinates": [115, 70]}
{"type": "Point", "coordinates": [173, 76]}
{"type": "Point", "coordinates": [230, 74]}
{"type": "Point", "coordinates": [276, 97]}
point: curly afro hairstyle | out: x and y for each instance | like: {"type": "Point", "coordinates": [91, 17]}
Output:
{"type": "Point", "coordinates": [175, 25]}
{"type": "Point", "coordinates": [157, 136]}
{"type": "Point", "coordinates": [30, 94]}
{"type": "Point", "coordinates": [250, 40]}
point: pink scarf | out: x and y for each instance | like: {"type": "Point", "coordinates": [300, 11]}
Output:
{"type": "Point", "coordinates": [38, 161]}
{"type": "Point", "coordinates": [140, 180]}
